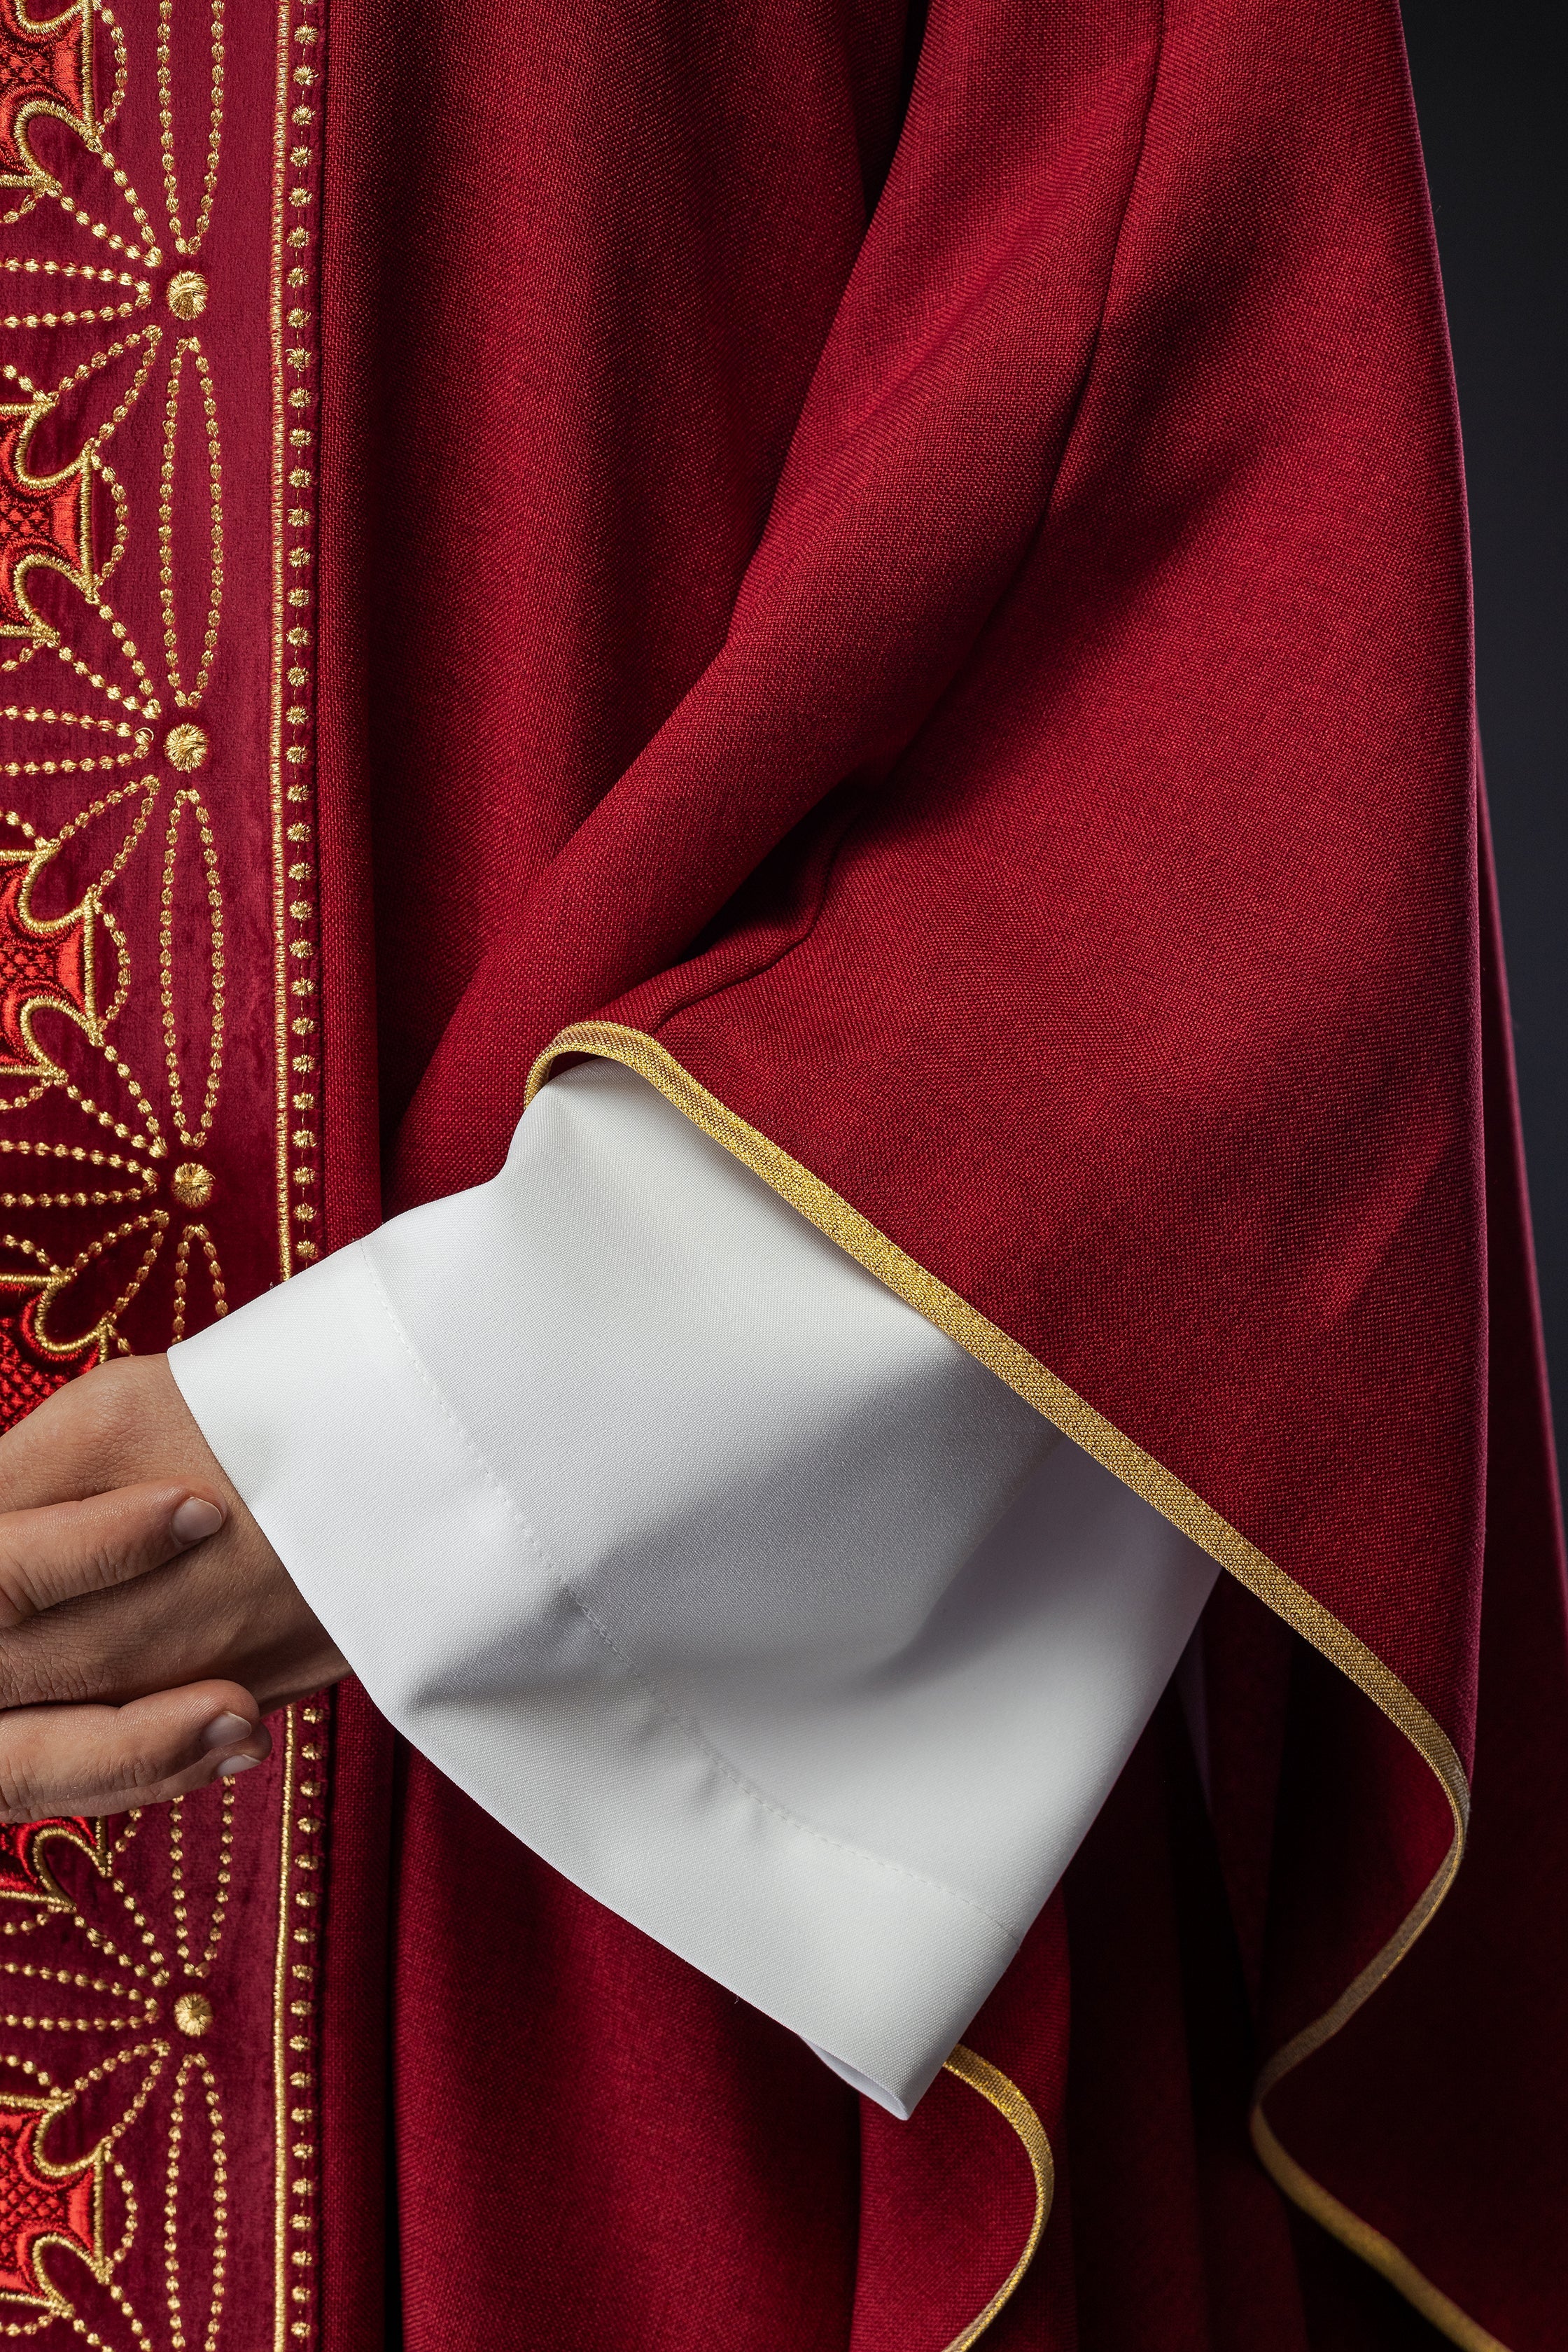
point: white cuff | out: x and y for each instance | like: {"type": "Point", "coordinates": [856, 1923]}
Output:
{"type": "Point", "coordinates": [732, 1587]}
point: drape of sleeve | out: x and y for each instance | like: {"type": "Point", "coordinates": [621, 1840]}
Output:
{"type": "Point", "coordinates": [720, 1578]}
{"type": "Point", "coordinates": [1062, 885]}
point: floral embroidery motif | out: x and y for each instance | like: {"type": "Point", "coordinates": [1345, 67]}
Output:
{"type": "Point", "coordinates": [158, 1099]}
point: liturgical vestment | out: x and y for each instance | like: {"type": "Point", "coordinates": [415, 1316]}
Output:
{"type": "Point", "coordinates": [745, 883]}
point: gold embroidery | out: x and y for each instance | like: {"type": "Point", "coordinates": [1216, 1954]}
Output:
{"type": "Point", "coordinates": [141, 742]}
{"type": "Point", "coordinates": [63, 541]}
{"type": "Point", "coordinates": [55, 542]}
{"type": "Point", "coordinates": [195, 2067]}
{"type": "Point", "coordinates": [295, 168]}
{"type": "Point", "coordinates": [186, 746]}
{"type": "Point", "coordinates": [193, 1138]}
{"type": "Point", "coordinates": [1010, 2103]}
{"type": "Point", "coordinates": [182, 244]}
{"type": "Point", "coordinates": [1174, 1501]}
{"type": "Point", "coordinates": [221, 1882]}
{"type": "Point", "coordinates": [181, 1269]}
{"type": "Point", "coordinates": [53, 962]}
{"type": "Point", "coordinates": [188, 294]}
{"type": "Point", "coordinates": [146, 1179]}
{"type": "Point", "coordinates": [182, 294]}
{"type": "Point", "coordinates": [142, 289]}
{"type": "Point", "coordinates": [294, 1985]}
{"type": "Point", "coordinates": [35, 1887]}
{"type": "Point", "coordinates": [102, 1336]}
{"type": "Point", "coordinates": [68, 525]}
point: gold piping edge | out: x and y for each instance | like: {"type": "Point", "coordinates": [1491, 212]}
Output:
{"type": "Point", "coordinates": [1380, 2253]}
{"type": "Point", "coordinates": [1165, 1493]}
{"type": "Point", "coordinates": [1014, 2109]}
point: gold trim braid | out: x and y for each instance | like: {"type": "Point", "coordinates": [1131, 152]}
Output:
{"type": "Point", "coordinates": [1077, 1419]}
{"type": "Point", "coordinates": [1014, 2108]}
{"type": "Point", "coordinates": [1379, 2253]}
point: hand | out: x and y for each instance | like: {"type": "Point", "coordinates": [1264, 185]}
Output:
{"type": "Point", "coordinates": [145, 1620]}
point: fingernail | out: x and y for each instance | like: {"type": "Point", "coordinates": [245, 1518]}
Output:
{"type": "Point", "coordinates": [231, 1764]}
{"type": "Point", "coordinates": [196, 1519]}
{"type": "Point", "coordinates": [224, 1729]}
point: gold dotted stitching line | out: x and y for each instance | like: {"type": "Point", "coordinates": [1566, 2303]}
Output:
{"type": "Point", "coordinates": [155, 1960]}
{"type": "Point", "coordinates": [30, 715]}
{"type": "Point", "coordinates": [34, 1920]}
{"type": "Point", "coordinates": [194, 1141]}
{"type": "Point", "coordinates": [220, 1296]}
{"type": "Point", "coordinates": [189, 345]}
{"type": "Point", "coordinates": [43, 1974]}
{"type": "Point", "coordinates": [182, 244]}
{"type": "Point", "coordinates": [73, 2024]}
{"type": "Point", "coordinates": [133, 2210]}
{"type": "Point", "coordinates": [299, 1115]}
{"type": "Point", "coordinates": [304, 1939]}
{"type": "Point", "coordinates": [192, 1967]}
{"type": "Point", "coordinates": [146, 1179]}
{"type": "Point", "coordinates": [195, 2065]}
{"type": "Point", "coordinates": [141, 289]}
{"type": "Point", "coordinates": [152, 1143]}
{"type": "Point", "coordinates": [106, 17]}
{"type": "Point", "coordinates": [147, 787]}
{"type": "Point", "coordinates": [149, 250]}
{"type": "Point", "coordinates": [90, 767]}
{"type": "Point", "coordinates": [69, 718]}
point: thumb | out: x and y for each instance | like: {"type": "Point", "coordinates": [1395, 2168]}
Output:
{"type": "Point", "coordinates": [63, 1550]}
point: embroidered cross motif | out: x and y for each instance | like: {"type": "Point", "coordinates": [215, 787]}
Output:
{"type": "Point", "coordinates": [44, 68]}
{"type": "Point", "coordinates": [43, 521]}
{"type": "Point", "coordinates": [41, 964]}
{"type": "Point", "coordinates": [21, 1871]}
{"type": "Point", "coordinates": [40, 2204]}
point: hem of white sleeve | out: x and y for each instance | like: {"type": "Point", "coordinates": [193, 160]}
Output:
{"type": "Point", "coordinates": [322, 1412]}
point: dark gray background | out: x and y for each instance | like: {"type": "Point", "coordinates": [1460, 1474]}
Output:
{"type": "Point", "coordinates": [1491, 90]}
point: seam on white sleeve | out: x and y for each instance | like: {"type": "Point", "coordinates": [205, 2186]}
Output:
{"type": "Point", "coordinates": [672, 1715]}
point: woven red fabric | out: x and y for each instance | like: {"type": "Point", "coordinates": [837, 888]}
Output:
{"type": "Point", "coordinates": [978, 666]}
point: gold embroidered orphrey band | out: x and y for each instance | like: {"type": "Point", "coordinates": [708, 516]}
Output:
{"type": "Point", "coordinates": [1099, 1438]}
{"type": "Point", "coordinates": [159, 194]}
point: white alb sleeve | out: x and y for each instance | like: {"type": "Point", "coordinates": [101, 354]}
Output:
{"type": "Point", "coordinates": [720, 1576]}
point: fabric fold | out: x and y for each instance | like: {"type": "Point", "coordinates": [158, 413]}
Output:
{"type": "Point", "coordinates": [739, 1592]}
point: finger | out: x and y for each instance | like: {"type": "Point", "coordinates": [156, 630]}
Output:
{"type": "Point", "coordinates": [104, 1759]}
{"type": "Point", "coordinates": [69, 1548]}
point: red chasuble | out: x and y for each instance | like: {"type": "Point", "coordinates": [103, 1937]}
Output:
{"type": "Point", "coordinates": [913, 590]}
